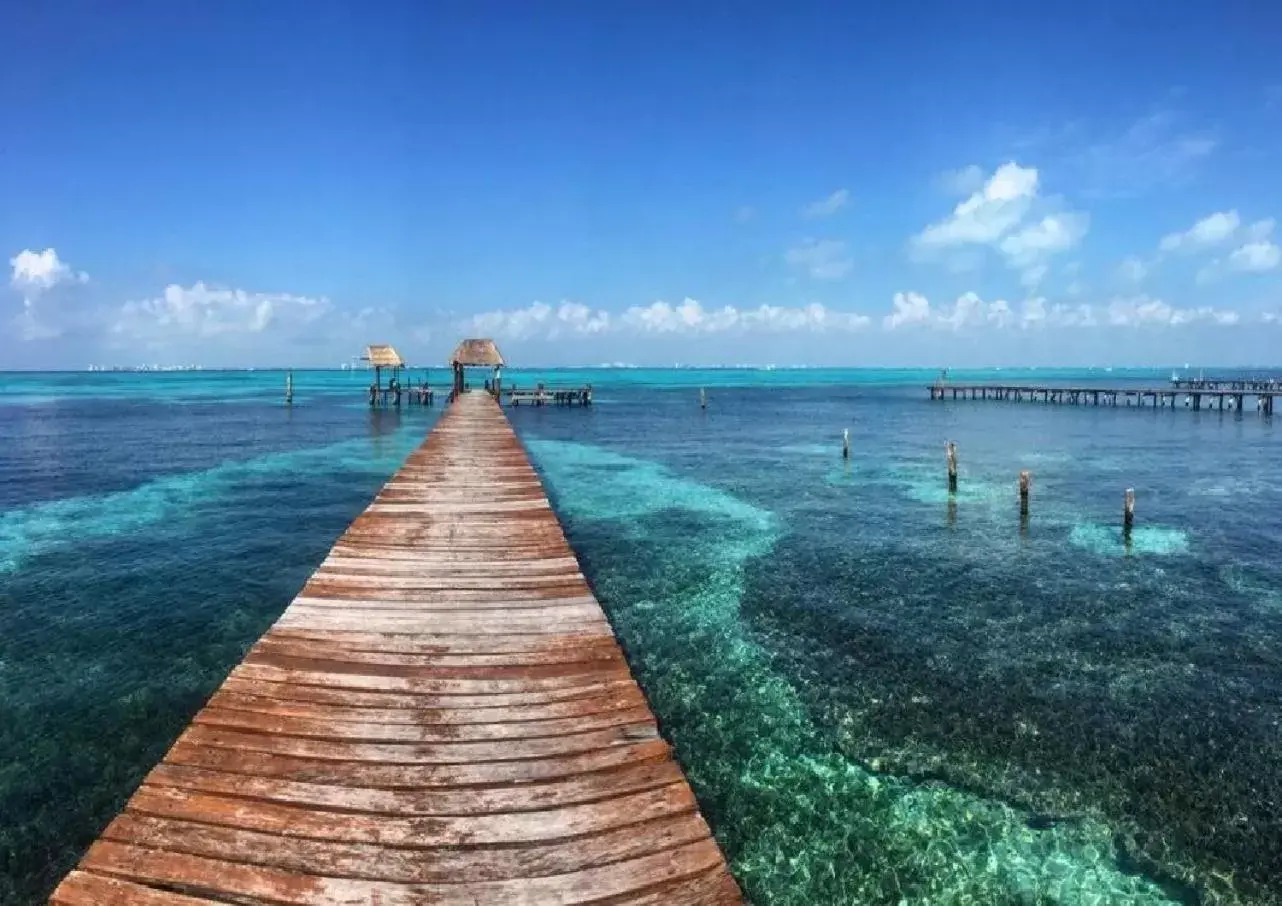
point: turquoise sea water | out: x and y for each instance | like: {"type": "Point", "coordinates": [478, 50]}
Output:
{"type": "Point", "coordinates": [882, 693]}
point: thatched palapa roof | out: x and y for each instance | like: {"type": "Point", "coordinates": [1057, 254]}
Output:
{"type": "Point", "coordinates": [383, 356]}
{"type": "Point", "coordinates": [477, 353]}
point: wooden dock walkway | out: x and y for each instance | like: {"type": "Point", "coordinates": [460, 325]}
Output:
{"type": "Point", "coordinates": [442, 715]}
{"type": "Point", "coordinates": [1110, 396]}
{"type": "Point", "coordinates": [1242, 385]}
{"type": "Point", "coordinates": [542, 396]}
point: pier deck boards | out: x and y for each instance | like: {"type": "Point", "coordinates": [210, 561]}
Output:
{"type": "Point", "coordinates": [1161, 397]}
{"type": "Point", "coordinates": [442, 715]}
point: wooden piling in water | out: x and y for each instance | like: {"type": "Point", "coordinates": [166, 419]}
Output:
{"type": "Point", "coordinates": [951, 452]}
{"type": "Point", "coordinates": [703, 398]}
{"type": "Point", "coordinates": [1128, 513]}
{"type": "Point", "coordinates": [442, 715]}
{"type": "Point", "coordinates": [845, 443]}
{"type": "Point", "coordinates": [1025, 484]}
{"type": "Point", "coordinates": [289, 387]}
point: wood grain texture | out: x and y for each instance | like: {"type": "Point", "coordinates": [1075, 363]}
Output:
{"type": "Point", "coordinates": [442, 715]}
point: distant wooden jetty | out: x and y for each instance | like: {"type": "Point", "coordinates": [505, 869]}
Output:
{"type": "Point", "coordinates": [556, 396]}
{"type": "Point", "coordinates": [1245, 385]}
{"type": "Point", "coordinates": [442, 715]}
{"type": "Point", "coordinates": [1156, 397]}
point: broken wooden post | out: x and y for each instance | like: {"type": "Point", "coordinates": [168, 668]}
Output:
{"type": "Point", "coordinates": [1128, 514]}
{"type": "Point", "coordinates": [289, 388]}
{"type": "Point", "coordinates": [845, 443]}
{"type": "Point", "coordinates": [951, 451]}
{"type": "Point", "coordinates": [1025, 483]}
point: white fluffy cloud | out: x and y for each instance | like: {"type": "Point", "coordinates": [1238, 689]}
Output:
{"type": "Point", "coordinates": [970, 311]}
{"type": "Point", "coordinates": [907, 308]}
{"type": "Point", "coordinates": [539, 319]}
{"type": "Point", "coordinates": [1036, 313]}
{"type": "Point", "coordinates": [997, 215]}
{"type": "Point", "coordinates": [822, 259]}
{"type": "Point", "coordinates": [826, 207]}
{"type": "Point", "coordinates": [1257, 256]}
{"type": "Point", "coordinates": [35, 271]}
{"type": "Point", "coordinates": [1138, 311]}
{"type": "Point", "coordinates": [1208, 232]}
{"type": "Point", "coordinates": [691, 317]}
{"type": "Point", "coordinates": [35, 275]}
{"type": "Point", "coordinates": [201, 311]}
{"type": "Point", "coordinates": [688, 317]}
{"type": "Point", "coordinates": [988, 213]}
{"type": "Point", "coordinates": [1257, 253]}
{"type": "Point", "coordinates": [1052, 234]}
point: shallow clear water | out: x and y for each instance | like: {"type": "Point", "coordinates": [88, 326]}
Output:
{"type": "Point", "coordinates": [881, 692]}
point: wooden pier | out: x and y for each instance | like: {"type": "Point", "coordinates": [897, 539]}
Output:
{"type": "Point", "coordinates": [1246, 385]}
{"type": "Point", "coordinates": [1233, 399]}
{"type": "Point", "coordinates": [442, 715]}
{"type": "Point", "coordinates": [542, 396]}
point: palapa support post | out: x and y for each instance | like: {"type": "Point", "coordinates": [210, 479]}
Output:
{"type": "Point", "coordinates": [845, 443]}
{"type": "Point", "coordinates": [1128, 514]}
{"type": "Point", "coordinates": [951, 452]}
{"type": "Point", "coordinates": [1025, 484]}
{"type": "Point", "coordinates": [289, 387]}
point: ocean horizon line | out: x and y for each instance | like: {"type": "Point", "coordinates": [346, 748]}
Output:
{"type": "Point", "coordinates": [240, 369]}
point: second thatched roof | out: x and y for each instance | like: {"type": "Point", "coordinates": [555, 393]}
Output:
{"type": "Point", "coordinates": [383, 356]}
{"type": "Point", "coordinates": [477, 353]}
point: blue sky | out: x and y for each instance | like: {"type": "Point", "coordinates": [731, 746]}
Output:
{"type": "Point", "coordinates": [938, 184]}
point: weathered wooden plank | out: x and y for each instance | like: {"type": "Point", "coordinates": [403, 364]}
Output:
{"type": "Point", "coordinates": [422, 702]}
{"type": "Point", "coordinates": [442, 715]}
{"type": "Point", "coordinates": [414, 776]}
{"type": "Point", "coordinates": [368, 731]}
{"type": "Point", "coordinates": [626, 698]}
{"type": "Point", "coordinates": [334, 676]}
{"type": "Point", "coordinates": [427, 643]}
{"type": "Point", "coordinates": [82, 888]}
{"type": "Point", "coordinates": [592, 787]}
{"type": "Point", "coordinates": [325, 593]}
{"type": "Point", "coordinates": [230, 878]}
{"type": "Point", "coordinates": [418, 753]}
{"type": "Point", "coordinates": [319, 823]}
{"type": "Point", "coordinates": [403, 865]}
{"type": "Point", "coordinates": [391, 620]}
{"type": "Point", "coordinates": [594, 650]}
